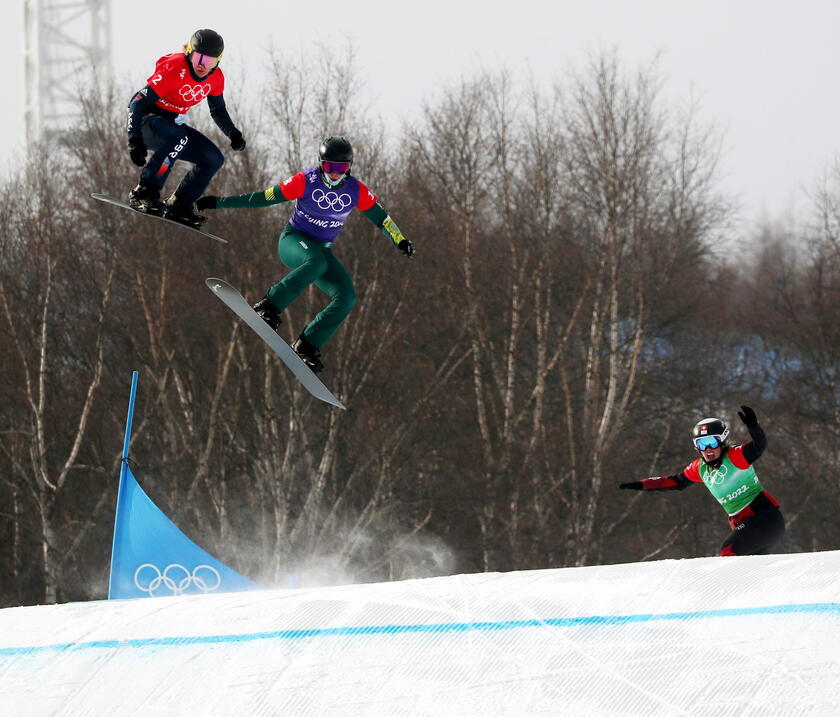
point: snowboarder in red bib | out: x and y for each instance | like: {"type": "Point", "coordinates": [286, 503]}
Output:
{"type": "Point", "coordinates": [755, 519]}
{"type": "Point", "coordinates": [157, 120]}
{"type": "Point", "coordinates": [324, 196]}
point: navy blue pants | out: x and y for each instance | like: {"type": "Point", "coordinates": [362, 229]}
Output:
{"type": "Point", "coordinates": [171, 142]}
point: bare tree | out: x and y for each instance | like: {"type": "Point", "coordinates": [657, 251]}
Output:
{"type": "Point", "coordinates": [44, 315]}
{"type": "Point", "coordinates": [640, 190]}
{"type": "Point", "coordinates": [792, 306]}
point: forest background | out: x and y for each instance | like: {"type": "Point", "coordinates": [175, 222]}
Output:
{"type": "Point", "coordinates": [575, 305]}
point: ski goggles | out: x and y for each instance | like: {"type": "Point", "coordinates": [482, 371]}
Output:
{"type": "Point", "coordinates": [705, 442]}
{"type": "Point", "coordinates": [329, 167]}
{"type": "Point", "coordinates": [206, 60]}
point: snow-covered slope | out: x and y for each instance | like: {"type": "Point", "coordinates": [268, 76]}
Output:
{"type": "Point", "coordinates": [711, 636]}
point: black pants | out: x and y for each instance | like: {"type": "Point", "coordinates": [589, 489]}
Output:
{"type": "Point", "coordinates": [757, 529]}
{"type": "Point", "coordinates": [171, 142]}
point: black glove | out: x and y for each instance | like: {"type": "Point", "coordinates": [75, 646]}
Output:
{"type": "Point", "coordinates": [208, 202]}
{"type": "Point", "coordinates": [237, 141]}
{"type": "Point", "coordinates": [634, 485]}
{"type": "Point", "coordinates": [137, 151]}
{"type": "Point", "coordinates": [406, 247]}
{"type": "Point", "coordinates": [747, 416]}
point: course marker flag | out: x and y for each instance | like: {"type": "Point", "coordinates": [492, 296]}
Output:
{"type": "Point", "coordinates": [151, 557]}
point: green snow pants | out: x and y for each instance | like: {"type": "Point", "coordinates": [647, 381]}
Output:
{"type": "Point", "coordinates": [312, 261]}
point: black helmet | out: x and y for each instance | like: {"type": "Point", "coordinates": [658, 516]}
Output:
{"type": "Point", "coordinates": [206, 42]}
{"type": "Point", "coordinates": [709, 429]}
{"type": "Point", "coordinates": [335, 149]}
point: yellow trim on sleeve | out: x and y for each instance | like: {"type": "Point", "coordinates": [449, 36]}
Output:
{"type": "Point", "coordinates": [269, 194]}
{"type": "Point", "coordinates": [390, 226]}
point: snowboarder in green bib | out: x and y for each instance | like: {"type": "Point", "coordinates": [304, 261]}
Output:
{"type": "Point", "coordinates": [754, 516]}
{"type": "Point", "coordinates": [324, 196]}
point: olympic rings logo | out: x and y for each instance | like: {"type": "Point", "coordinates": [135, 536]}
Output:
{"type": "Point", "coordinates": [176, 578]}
{"type": "Point", "coordinates": [331, 200]}
{"type": "Point", "coordinates": [717, 476]}
{"type": "Point", "coordinates": [194, 93]}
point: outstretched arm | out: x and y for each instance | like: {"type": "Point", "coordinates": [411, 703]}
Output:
{"type": "Point", "coordinates": [678, 481]}
{"type": "Point", "coordinates": [389, 228]}
{"type": "Point", "coordinates": [753, 450]}
{"type": "Point", "coordinates": [292, 188]}
{"type": "Point", "coordinates": [252, 200]}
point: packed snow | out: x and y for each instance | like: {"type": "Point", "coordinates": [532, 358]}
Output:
{"type": "Point", "coordinates": [711, 636]}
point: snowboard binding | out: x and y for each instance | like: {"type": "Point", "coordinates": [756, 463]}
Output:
{"type": "Point", "coordinates": [145, 198]}
{"type": "Point", "coordinates": [268, 312]}
{"type": "Point", "coordinates": [182, 212]}
{"type": "Point", "coordinates": [309, 354]}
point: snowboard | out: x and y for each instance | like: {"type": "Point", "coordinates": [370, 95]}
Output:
{"type": "Point", "coordinates": [237, 304]}
{"type": "Point", "coordinates": [120, 203]}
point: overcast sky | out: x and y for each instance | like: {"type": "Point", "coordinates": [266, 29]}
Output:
{"type": "Point", "coordinates": [765, 71]}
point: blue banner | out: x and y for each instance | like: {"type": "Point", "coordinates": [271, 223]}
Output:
{"type": "Point", "coordinates": [151, 557]}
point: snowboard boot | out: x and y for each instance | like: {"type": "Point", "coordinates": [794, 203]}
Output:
{"type": "Point", "coordinates": [267, 312]}
{"type": "Point", "coordinates": [182, 212]}
{"type": "Point", "coordinates": [145, 197]}
{"type": "Point", "coordinates": [310, 355]}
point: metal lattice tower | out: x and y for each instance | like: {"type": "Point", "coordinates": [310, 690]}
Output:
{"type": "Point", "coordinates": [62, 38]}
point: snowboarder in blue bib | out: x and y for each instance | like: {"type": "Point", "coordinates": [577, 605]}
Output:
{"type": "Point", "coordinates": [324, 196]}
{"type": "Point", "coordinates": [727, 471]}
